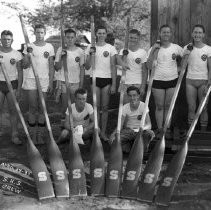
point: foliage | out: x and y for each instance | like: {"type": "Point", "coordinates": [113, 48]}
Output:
{"type": "Point", "coordinates": [76, 14]}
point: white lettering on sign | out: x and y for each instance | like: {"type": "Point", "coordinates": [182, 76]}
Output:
{"type": "Point", "coordinates": [113, 174]}
{"type": "Point", "coordinates": [149, 178]}
{"type": "Point", "coordinates": [76, 173]}
{"type": "Point", "coordinates": [42, 176]}
{"type": "Point", "coordinates": [131, 175]}
{"type": "Point", "coordinates": [167, 181]}
{"type": "Point", "coordinates": [60, 175]}
{"type": "Point", "coordinates": [98, 172]}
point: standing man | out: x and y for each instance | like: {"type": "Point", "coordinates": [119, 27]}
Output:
{"type": "Point", "coordinates": [10, 60]}
{"type": "Point", "coordinates": [137, 74]}
{"type": "Point", "coordinates": [131, 118]}
{"type": "Point", "coordinates": [75, 61]}
{"type": "Point", "coordinates": [42, 56]}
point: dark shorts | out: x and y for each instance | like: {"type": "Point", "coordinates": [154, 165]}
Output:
{"type": "Point", "coordinates": [159, 84]}
{"type": "Point", "coordinates": [3, 86]}
{"type": "Point", "coordinates": [102, 82]}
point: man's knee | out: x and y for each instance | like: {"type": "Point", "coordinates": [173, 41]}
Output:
{"type": "Point", "coordinates": [31, 119]}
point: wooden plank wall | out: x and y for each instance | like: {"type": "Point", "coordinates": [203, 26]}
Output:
{"type": "Point", "coordinates": [181, 15]}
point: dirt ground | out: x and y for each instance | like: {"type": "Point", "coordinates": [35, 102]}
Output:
{"type": "Point", "coordinates": [193, 190]}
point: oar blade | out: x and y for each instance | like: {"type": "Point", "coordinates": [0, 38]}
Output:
{"type": "Point", "coordinates": [171, 176]}
{"type": "Point", "coordinates": [151, 173]}
{"type": "Point", "coordinates": [77, 178]}
{"type": "Point", "coordinates": [97, 167]}
{"type": "Point", "coordinates": [40, 173]}
{"type": "Point", "coordinates": [58, 169]}
{"type": "Point", "coordinates": [114, 169]}
{"type": "Point", "coordinates": [133, 169]}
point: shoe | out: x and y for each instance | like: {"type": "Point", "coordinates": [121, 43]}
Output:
{"type": "Point", "coordinates": [16, 140]}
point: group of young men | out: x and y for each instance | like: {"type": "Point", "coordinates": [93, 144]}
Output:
{"type": "Point", "coordinates": [19, 68]}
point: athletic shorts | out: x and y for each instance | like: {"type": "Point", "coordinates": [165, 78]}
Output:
{"type": "Point", "coordinates": [30, 84]}
{"type": "Point", "coordinates": [160, 84]}
{"type": "Point", "coordinates": [3, 86]}
{"type": "Point", "coordinates": [102, 82]}
{"type": "Point", "coordinates": [72, 86]}
{"type": "Point", "coordinates": [197, 83]}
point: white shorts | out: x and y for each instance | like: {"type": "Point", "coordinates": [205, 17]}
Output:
{"type": "Point", "coordinates": [30, 84]}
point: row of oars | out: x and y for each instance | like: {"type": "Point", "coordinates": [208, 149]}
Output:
{"type": "Point", "coordinates": [74, 184]}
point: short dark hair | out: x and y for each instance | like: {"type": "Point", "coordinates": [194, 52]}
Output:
{"type": "Point", "coordinates": [81, 91]}
{"type": "Point", "coordinates": [6, 33]}
{"type": "Point", "coordinates": [40, 25]}
{"type": "Point", "coordinates": [199, 26]}
{"type": "Point", "coordinates": [135, 31]}
{"type": "Point", "coordinates": [69, 31]}
{"type": "Point", "coordinates": [164, 26]}
{"type": "Point", "coordinates": [100, 27]}
{"type": "Point", "coordinates": [131, 88]}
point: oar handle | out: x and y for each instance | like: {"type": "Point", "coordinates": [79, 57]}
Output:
{"type": "Point", "coordinates": [64, 60]}
{"type": "Point", "coordinates": [198, 113]}
{"type": "Point", "coordinates": [37, 81]}
{"type": "Point", "coordinates": [94, 92]}
{"type": "Point", "coordinates": [176, 91]}
{"type": "Point", "coordinates": [125, 53]}
{"type": "Point", "coordinates": [9, 85]}
{"type": "Point", "coordinates": [149, 89]}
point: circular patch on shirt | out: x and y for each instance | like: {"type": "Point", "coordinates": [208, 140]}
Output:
{"type": "Point", "coordinates": [174, 56]}
{"type": "Point", "coordinates": [12, 61]}
{"type": "Point", "coordinates": [106, 53]}
{"type": "Point", "coordinates": [1, 56]}
{"type": "Point", "coordinates": [46, 54]}
{"type": "Point", "coordinates": [138, 60]}
{"type": "Point", "coordinates": [139, 117]}
{"type": "Point", "coordinates": [204, 57]}
{"type": "Point", "coordinates": [77, 59]}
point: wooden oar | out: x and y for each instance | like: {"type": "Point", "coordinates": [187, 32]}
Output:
{"type": "Point", "coordinates": [174, 168]}
{"type": "Point", "coordinates": [39, 169]}
{"type": "Point", "coordinates": [134, 163]}
{"type": "Point", "coordinates": [77, 179]}
{"type": "Point", "coordinates": [152, 169]}
{"type": "Point", "coordinates": [114, 169]}
{"type": "Point", "coordinates": [57, 164]}
{"type": "Point", "coordinates": [97, 163]}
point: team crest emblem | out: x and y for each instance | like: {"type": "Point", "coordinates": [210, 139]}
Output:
{"type": "Point", "coordinates": [174, 56]}
{"type": "Point", "coordinates": [139, 117]}
{"type": "Point", "coordinates": [106, 53]}
{"type": "Point", "coordinates": [138, 60]}
{"type": "Point", "coordinates": [204, 57]}
{"type": "Point", "coordinates": [77, 59]}
{"type": "Point", "coordinates": [12, 61]}
{"type": "Point", "coordinates": [46, 54]}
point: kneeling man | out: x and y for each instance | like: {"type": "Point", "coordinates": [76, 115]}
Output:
{"type": "Point", "coordinates": [131, 118]}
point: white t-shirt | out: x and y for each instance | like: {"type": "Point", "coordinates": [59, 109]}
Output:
{"type": "Point", "coordinates": [102, 60]}
{"type": "Point", "coordinates": [40, 56]}
{"type": "Point", "coordinates": [197, 63]}
{"type": "Point", "coordinates": [10, 60]}
{"type": "Point", "coordinates": [135, 61]}
{"type": "Point", "coordinates": [81, 118]}
{"type": "Point", "coordinates": [133, 118]}
{"type": "Point", "coordinates": [75, 59]}
{"type": "Point", "coordinates": [166, 68]}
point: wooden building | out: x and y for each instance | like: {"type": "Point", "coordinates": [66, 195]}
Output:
{"type": "Point", "coordinates": [182, 15]}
